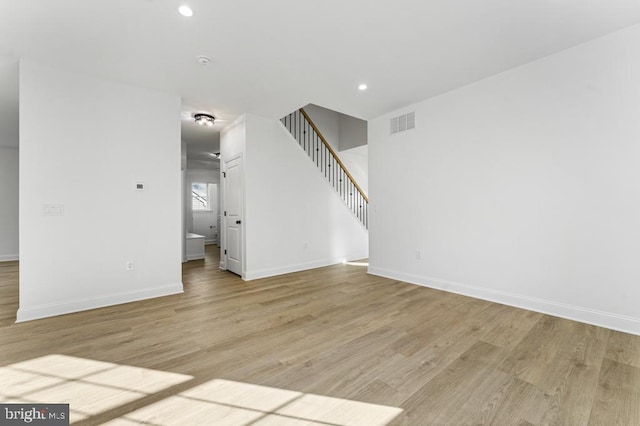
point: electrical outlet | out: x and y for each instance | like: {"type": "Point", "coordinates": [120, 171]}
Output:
{"type": "Point", "coordinates": [305, 246]}
{"type": "Point", "coordinates": [418, 255]}
{"type": "Point", "coordinates": [131, 265]}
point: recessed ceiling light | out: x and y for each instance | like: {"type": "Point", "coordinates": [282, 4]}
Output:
{"type": "Point", "coordinates": [362, 87]}
{"type": "Point", "coordinates": [185, 11]}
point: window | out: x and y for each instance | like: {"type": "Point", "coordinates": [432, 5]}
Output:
{"type": "Point", "coordinates": [204, 197]}
{"type": "Point", "coordinates": [200, 196]}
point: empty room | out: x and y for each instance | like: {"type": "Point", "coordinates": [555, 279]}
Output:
{"type": "Point", "coordinates": [330, 213]}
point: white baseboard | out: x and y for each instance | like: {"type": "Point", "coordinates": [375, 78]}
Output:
{"type": "Point", "coordinates": [577, 313]}
{"type": "Point", "coordinates": [70, 306]}
{"type": "Point", "coordinates": [271, 272]}
{"type": "Point", "coordinates": [8, 257]}
{"type": "Point", "coordinates": [195, 257]}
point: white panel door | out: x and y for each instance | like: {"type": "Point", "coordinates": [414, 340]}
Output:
{"type": "Point", "coordinates": [233, 219]}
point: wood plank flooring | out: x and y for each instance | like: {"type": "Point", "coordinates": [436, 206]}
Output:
{"type": "Point", "coordinates": [318, 344]}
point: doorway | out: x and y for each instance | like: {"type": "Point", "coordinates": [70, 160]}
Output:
{"type": "Point", "coordinates": [204, 209]}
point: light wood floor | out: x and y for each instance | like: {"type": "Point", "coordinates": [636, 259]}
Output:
{"type": "Point", "coordinates": [335, 332]}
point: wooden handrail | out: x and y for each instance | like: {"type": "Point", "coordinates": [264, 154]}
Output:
{"type": "Point", "coordinates": [326, 144]}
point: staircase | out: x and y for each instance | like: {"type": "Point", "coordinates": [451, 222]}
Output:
{"type": "Point", "coordinates": [320, 152]}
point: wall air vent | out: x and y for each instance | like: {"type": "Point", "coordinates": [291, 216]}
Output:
{"type": "Point", "coordinates": [403, 122]}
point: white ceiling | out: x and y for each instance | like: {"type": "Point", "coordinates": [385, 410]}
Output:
{"type": "Point", "coordinates": [273, 56]}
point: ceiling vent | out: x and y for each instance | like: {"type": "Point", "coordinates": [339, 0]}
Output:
{"type": "Point", "coordinates": [403, 122]}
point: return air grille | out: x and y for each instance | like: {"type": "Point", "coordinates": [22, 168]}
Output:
{"type": "Point", "coordinates": [403, 122]}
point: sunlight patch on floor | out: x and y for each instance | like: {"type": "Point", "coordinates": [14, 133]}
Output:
{"type": "Point", "coordinates": [93, 387]}
{"type": "Point", "coordinates": [226, 402]}
{"type": "Point", "coordinates": [89, 387]}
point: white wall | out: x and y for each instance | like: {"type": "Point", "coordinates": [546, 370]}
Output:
{"type": "Point", "coordinates": [183, 202]}
{"type": "Point", "coordinates": [353, 132]}
{"type": "Point", "coordinates": [521, 188]}
{"type": "Point", "coordinates": [84, 142]}
{"type": "Point", "coordinates": [9, 97]}
{"type": "Point", "coordinates": [8, 203]}
{"type": "Point", "coordinates": [9, 155]}
{"type": "Point", "coordinates": [294, 220]}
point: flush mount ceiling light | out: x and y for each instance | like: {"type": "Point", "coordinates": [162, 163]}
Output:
{"type": "Point", "coordinates": [204, 119]}
{"type": "Point", "coordinates": [185, 11]}
{"type": "Point", "coordinates": [362, 87]}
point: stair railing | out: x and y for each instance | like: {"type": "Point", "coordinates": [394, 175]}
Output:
{"type": "Point", "coordinates": [311, 140]}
